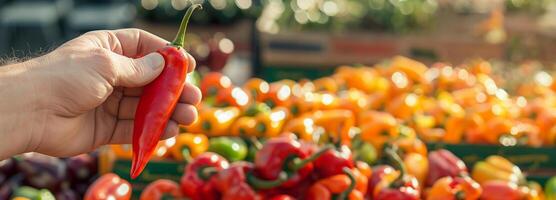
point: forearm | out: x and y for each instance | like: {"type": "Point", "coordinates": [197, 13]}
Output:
{"type": "Point", "coordinates": [18, 109]}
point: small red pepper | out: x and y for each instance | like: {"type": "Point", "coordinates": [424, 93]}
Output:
{"type": "Point", "coordinates": [402, 187]}
{"type": "Point", "coordinates": [159, 99]}
{"type": "Point", "coordinates": [333, 162]}
{"type": "Point", "coordinates": [159, 189]}
{"type": "Point", "coordinates": [197, 180]}
{"type": "Point", "coordinates": [443, 163]}
{"type": "Point", "coordinates": [284, 154]}
{"type": "Point", "coordinates": [378, 173]}
{"type": "Point", "coordinates": [109, 185]}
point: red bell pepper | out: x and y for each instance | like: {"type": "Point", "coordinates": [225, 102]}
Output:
{"type": "Point", "coordinates": [159, 189]}
{"type": "Point", "coordinates": [332, 162]}
{"type": "Point", "coordinates": [159, 99]}
{"type": "Point", "coordinates": [493, 190]}
{"type": "Point", "coordinates": [238, 181]}
{"type": "Point", "coordinates": [402, 187]}
{"type": "Point", "coordinates": [284, 154]}
{"type": "Point", "coordinates": [197, 181]}
{"type": "Point", "coordinates": [109, 185]}
{"type": "Point", "coordinates": [443, 163]}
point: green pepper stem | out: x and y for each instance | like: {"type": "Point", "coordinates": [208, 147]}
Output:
{"type": "Point", "coordinates": [186, 154]}
{"type": "Point", "coordinates": [344, 195]}
{"type": "Point", "coordinates": [258, 183]}
{"type": "Point", "coordinates": [206, 172]}
{"type": "Point", "coordinates": [298, 163]}
{"type": "Point", "coordinates": [180, 37]}
{"type": "Point", "coordinates": [397, 164]}
{"type": "Point", "coordinates": [256, 143]}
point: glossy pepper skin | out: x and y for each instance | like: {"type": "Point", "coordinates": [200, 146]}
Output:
{"type": "Point", "coordinates": [195, 187]}
{"type": "Point", "coordinates": [231, 148]}
{"type": "Point", "coordinates": [233, 96]}
{"type": "Point", "coordinates": [333, 162]}
{"type": "Point", "coordinates": [417, 165]}
{"type": "Point", "coordinates": [285, 154]}
{"type": "Point", "coordinates": [188, 146]}
{"type": "Point", "coordinates": [378, 173]}
{"type": "Point", "coordinates": [303, 127]}
{"type": "Point", "coordinates": [401, 186]}
{"type": "Point", "coordinates": [158, 100]}
{"type": "Point", "coordinates": [497, 168]}
{"type": "Point", "coordinates": [214, 121]}
{"type": "Point", "coordinates": [495, 189]}
{"type": "Point", "coordinates": [214, 82]}
{"type": "Point", "coordinates": [337, 123]}
{"type": "Point", "coordinates": [257, 88]}
{"type": "Point", "coordinates": [160, 188]}
{"type": "Point", "coordinates": [443, 163]}
{"type": "Point", "coordinates": [457, 188]}
{"type": "Point", "coordinates": [342, 185]}
{"type": "Point", "coordinates": [232, 182]}
{"type": "Point", "coordinates": [109, 185]}
{"type": "Point", "coordinates": [550, 189]}
{"type": "Point", "coordinates": [270, 124]}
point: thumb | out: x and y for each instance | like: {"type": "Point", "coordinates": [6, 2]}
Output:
{"type": "Point", "coordinates": [138, 72]}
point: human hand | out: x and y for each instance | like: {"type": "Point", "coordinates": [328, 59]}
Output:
{"type": "Point", "coordinates": [85, 93]}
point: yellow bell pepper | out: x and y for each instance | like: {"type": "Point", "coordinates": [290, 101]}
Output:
{"type": "Point", "coordinates": [336, 124]}
{"type": "Point", "coordinates": [497, 168]}
{"type": "Point", "coordinates": [189, 145]}
{"type": "Point", "coordinates": [303, 127]}
{"type": "Point", "coordinates": [214, 121]}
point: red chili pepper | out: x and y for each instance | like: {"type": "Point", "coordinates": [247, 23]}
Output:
{"type": "Point", "coordinates": [332, 162]}
{"type": "Point", "coordinates": [159, 99]}
{"type": "Point", "coordinates": [160, 188]}
{"type": "Point", "coordinates": [109, 185]}
{"type": "Point", "coordinates": [197, 182]}
{"type": "Point", "coordinates": [403, 187]}
{"type": "Point", "coordinates": [284, 154]}
{"type": "Point", "coordinates": [443, 163]}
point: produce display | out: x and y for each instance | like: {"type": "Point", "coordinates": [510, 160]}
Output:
{"type": "Point", "coordinates": [37, 177]}
{"type": "Point", "coordinates": [357, 134]}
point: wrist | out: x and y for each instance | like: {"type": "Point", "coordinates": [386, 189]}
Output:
{"type": "Point", "coordinates": [20, 120]}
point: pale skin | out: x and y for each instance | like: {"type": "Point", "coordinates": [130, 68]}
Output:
{"type": "Point", "coordinates": [84, 94]}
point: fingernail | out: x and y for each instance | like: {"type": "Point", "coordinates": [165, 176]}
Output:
{"type": "Point", "coordinates": [154, 60]}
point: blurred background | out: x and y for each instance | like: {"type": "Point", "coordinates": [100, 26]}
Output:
{"type": "Point", "coordinates": [277, 39]}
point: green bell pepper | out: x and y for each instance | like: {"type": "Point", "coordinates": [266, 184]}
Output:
{"type": "Point", "coordinates": [33, 194]}
{"type": "Point", "coordinates": [366, 152]}
{"type": "Point", "coordinates": [231, 148]}
{"type": "Point", "coordinates": [550, 189]}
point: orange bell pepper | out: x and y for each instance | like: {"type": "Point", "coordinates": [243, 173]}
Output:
{"type": "Point", "coordinates": [455, 127]}
{"type": "Point", "coordinates": [245, 126]}
{"type": "Point", "coordinates": [279, 94]}
{"type": "Point", "coordinates": [214, 121]}
{"type": "Point", "coordinates": [408, 143]}
{"type": "Point", "coordinates": [404, 106]}
{"type": "Point", "coordinates": [458, 188]}
{"type": "Point", "coordinates": [328, 84]}
{"type": "Point", "coordinates": [496, 128]}
{"type": "Point", "coordinates": [303, 104]}
{"type": "Point", "coordinates": [256, 88]}
{"type": "Point", "coordinates": [378, 132]}
{"type": "Point", "coordinates": [337, 124]}
{"type": "Point", "coordinates": [326, 101]}
{"type": "Point", "coordinates": [354, 100]}
{"type": "Point", "coordinates": [417, 165]}
{"type": "Point", "coordinates": [189, 145]}
{"type": "Point", "coordinates": [369, 116]}
{"type": "Point", "coordinates": [303, 127]}
{"type": "Point", "coordinates": [233, 96]}
{"type": "Point", "coordinates": [432, 134]}
{"type": "Point", "coordinates": [213, 82]}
